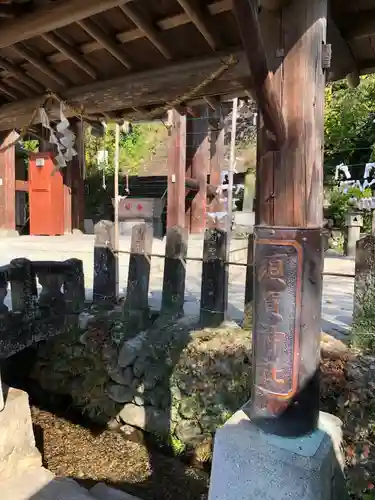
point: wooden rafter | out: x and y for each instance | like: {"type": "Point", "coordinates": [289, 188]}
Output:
{"type": "Point", "coordinates": [106, 41]}
{"type": "Point", "coordinates": [51, 17]}
{"type": "Point", "coordinates": [274, 4]}
{"type": "Point", "coordinates": [20, 75]}
{"type": "Point", "coordinates": [198, 17]}
{"type": "Point", "coordinates": [165, 24]}
{"type": "Point", "coordinates": [150, 89]}
{"type": "Point", "coordinates": [343, 62]}
{"type": "Point", "coordinates": [38, 63]}
{"type": "Point", "coordinates": [269, 105]}
{"type": "Point", "coordinates": [362, 25]}
{"type": "Point", "coordinates": [70, 53]}
{"type": "Point", "coordinates": [23, 90]}
{"type": "Point", "coordinates": [148, 29]}
{"type": "Point", "coordinates": [8, 92]}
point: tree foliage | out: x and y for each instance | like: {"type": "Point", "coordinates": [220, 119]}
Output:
{"type": "Point", "coordinates": [137, 146]}
{"type": "Point", "coordinates": [349, 126]}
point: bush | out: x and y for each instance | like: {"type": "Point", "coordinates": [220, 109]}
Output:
{"type": "Point", "coordinates": [341, 203]}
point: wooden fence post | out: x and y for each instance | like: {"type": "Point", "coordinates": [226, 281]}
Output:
{"type": "Point", "coordinates": [105, 263]}
{"type": "Point", "coordinates": [175, 271]}
{"type": "Point", "coordinates": [139, 272]}
{"type": "Point", "coordinates": [249, 285]}
{"type": "Point", "coordinates": [214, 294]}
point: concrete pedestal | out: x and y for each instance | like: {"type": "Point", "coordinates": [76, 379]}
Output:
{"type": "Point", "coordinates": [249, 464]}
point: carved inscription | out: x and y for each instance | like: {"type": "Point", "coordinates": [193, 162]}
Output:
{"type": "Point", "coordinates": [277, 296]}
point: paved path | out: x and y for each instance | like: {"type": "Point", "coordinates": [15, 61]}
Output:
{"type": "Point", "coordinates": [337, 303]}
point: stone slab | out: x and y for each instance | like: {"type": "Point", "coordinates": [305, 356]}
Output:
{"type": "Point", "coordinates": [249, 464]}
{"type": "Point", "coordinates": [103, 492]}
{"type": "Point", "coordinates": [41, 484]}
{"type": "Point", "coordinates": [17, 444]}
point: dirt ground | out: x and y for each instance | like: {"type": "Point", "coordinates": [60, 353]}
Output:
{"type": "Point", "coordinates": [69, 449]}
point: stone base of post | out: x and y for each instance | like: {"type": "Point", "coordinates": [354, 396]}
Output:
{"type": "Point", "coordinates": [249, 464]}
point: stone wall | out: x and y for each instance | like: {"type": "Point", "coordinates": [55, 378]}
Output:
{"type": "Point", "coordinates": [173, 380]}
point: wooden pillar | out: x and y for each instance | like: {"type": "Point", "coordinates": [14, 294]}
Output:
{"type": "Point", "coordinates": [215, 210]}
{"type": "Point", "coordinates": [197, 166]}
{"type": "Point", "coordinates": [67, 176]}
{"type": "Point", "coordinates": [77, 183]}
{"type": "Point", "coordinates": [8, 183]}
{"type": "Point", "coordinates": [289, 215]}
{"type": "Point", "coordinates": [176, 171]}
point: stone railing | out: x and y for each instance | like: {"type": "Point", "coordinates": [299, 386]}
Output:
{"type": "Point", "coordinates": [34, 317]}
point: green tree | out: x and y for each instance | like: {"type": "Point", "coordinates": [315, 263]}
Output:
{"type": "Point", "coordinates": [349, 126]}
{"type": "Point", "coordinates": [137, 146]}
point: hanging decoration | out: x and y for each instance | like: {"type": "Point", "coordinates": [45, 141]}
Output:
{"type": "Point", "coordinates": [342, 168]}
{"type": "Point", "coordinates": [61, 136]}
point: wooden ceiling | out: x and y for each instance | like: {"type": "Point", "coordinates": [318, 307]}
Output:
{"type": "Point", "coordinates": [111, 58]}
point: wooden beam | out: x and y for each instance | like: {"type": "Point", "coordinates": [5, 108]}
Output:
{"type": "Point", "coordinates": [343, 62]}
{"type": "Point", "coordinates": [176, 172]}
{"type": "Point", "coordinates": [198, 166]}
{"type": "Point", "coordinates": [111, 46]}
{"type": "Point", "coordinates": [148, 29]}
{"type": "Point", "coordinates": [70, 53]}
{"type": "Point", "coordinates": [22, 186]}
{"type": "Point", "coordinates": [147, 88]}
{"type": "Point", "coordinates": [198, 17]}
{"type": "Point", "coordinates": [8, 92]}
{"type": "Point", "coordinates": [38, 63]}
{"type": "Point", "coordinates": [217, 161]}
{"type": "Point", "coordinates": [264, 91]}
{"type": "Point", "coordinates": [274, 4]}
{"type": "Point", "coordinates": [52, 17]}
{"type": "Point", "coordinates": [360, 25]}
{"type": "Point", "coordinates": [128, 36]}
{"type": "Point", "coordinates": [20, 87]}
{"type": "Point", "coordinates": [20, 75]}
{"type": "Point", "coordinates": [8, 182]}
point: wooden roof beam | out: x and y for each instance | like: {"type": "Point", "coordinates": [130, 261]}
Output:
{"type": "Point", "coordinates": [51, 17]}
{"type": "Point", "coordinates": [343, 63]}
{"type": "Point", "coordinates": [38, 63]}
{"type": "Point", "coordinates": [151, 33]}
{"type": "Point", "coordinates": [268, 103]}
{"type": "Point", "coordinates": [361, 25]}
{"type": "Point", "coordinates": [20, 75]}
{"type": "Point", "coordinates": [274, 4]}
{"type": "Point", "coordinates": [127, 36]}
{"type": "Point", "coordinates": [150, 89]}
{"type": "Point", "coordinates": [200, 20]}
{"type": "Point", "coordinates": [8, 92]}
{"type": "Point", "coordinates": [70, 53]}
{"type": "Point", "coordinates": [108, 44]}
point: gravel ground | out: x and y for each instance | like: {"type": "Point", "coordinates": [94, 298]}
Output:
{"type": "Point", "coordinates": [71, 450]}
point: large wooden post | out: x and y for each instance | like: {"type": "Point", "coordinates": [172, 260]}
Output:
{"type": "Point", "coordinates": [77, 182]}
{"type": "Point", "coordinates": [197, 166]}
{"type": "Point", "coordinates": [176, 171]}
{"type": "Point", "coordinates": [8, 182]}
{"type": "Point", "coordinates": [289, 216]}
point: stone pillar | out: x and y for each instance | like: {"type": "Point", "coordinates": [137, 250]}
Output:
{"type": "Point", "coordinates": [354, 222]}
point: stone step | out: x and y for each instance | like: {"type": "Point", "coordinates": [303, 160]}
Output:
{"type": "Point", "coordinates": [17, 444]}
{"type": "Point", "coordinates": [41, 484]}
{"type": "Point", "coordinates": [103, 492]}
